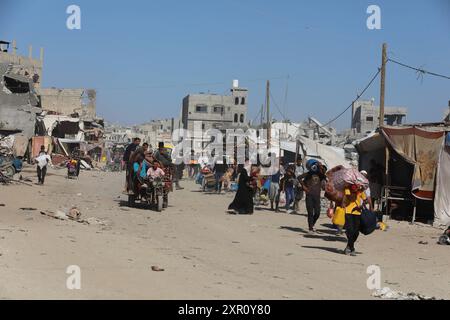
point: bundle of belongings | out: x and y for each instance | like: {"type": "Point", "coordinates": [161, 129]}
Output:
{"type": "Point", "coordinates": [340, 178]}
{"type": "Point", "coordinates": [344, 183]}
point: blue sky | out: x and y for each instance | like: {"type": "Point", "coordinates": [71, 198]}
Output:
{"type": "Point", "coordinates": [143, 57]}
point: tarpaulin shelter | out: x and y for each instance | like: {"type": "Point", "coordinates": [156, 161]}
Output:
{"type": "Point", "coordinates": [310, 149]}
{"type": "Point", "coordinates": [415, 159]}
{"type": "Point", "coordinates": [442, 198]}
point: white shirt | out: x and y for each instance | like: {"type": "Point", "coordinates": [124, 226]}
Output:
{"type": "Point", "coordinates": [43, 160]}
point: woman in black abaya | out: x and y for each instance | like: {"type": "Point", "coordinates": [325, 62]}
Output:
{"type": "Point", "coordinates": [243, 201]}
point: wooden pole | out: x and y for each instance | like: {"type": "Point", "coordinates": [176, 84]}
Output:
{"type": "Point", "coordinates": [383, 83]}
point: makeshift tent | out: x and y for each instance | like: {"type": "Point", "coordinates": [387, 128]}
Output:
{"type": "Point", "coordinates": [310, 149]}
{"type": "Point", "coordinates": [442, 198]}
{"type": "Point", "coordinates": [415, 159]}
{"type": "Point", "coordinates": [421, 148]}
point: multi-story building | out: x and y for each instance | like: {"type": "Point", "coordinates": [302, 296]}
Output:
{"type": "Point", "coordinates": [216, 111]}
{"type": "Point", "coordinates": [365, 116]}
{"type": "Point", "coordinates": [204, 111]}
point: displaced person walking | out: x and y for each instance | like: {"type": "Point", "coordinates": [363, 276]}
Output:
{"type": "Point", "coordinates": [353, 197]}
{"type": "Point", "coordinates": [243, 200]}
{"type": "Point", "coordinates": [287, 185]}
{"type": "Point", "coordinates": [42, 160]}
{"type": "Point", "coordinates": [219, 169]}
{"type": "Point", "coordinates": [313, 182]}
{"type": "Point", "coordinates": [274, 191]}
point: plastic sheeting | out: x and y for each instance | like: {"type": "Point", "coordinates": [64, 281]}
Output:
{"type": "Point", "coordinates": [442, 197]}
{"type": "Point", "coordinates": [330, 156]}
{"type": "Point", "coordinates": [421, 148]}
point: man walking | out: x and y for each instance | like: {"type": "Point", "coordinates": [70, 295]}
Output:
{"type": "Point", "coordinates": [219, 170]}
{"type": "Point", "coordinates": [287, 185]}
{"type": "Point", "coordinates": [42, 160]}
{"type": "Point", "coordinates": [313, 182]}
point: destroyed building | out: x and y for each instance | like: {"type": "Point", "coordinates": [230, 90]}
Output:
{"type": "Point", "coordinates": [19, 105]}
{"type": "Point", "coordinates": [26, 66]}
{"type": "Point", "coordinates": [365, 116]}
{"type": "Point", "coordinates": [32, 116]}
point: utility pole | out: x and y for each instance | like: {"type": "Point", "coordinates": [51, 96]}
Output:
{"type": "Point", "coordinates": [383, 83]}
{"type": "Point", "coordinates": [268, 113]}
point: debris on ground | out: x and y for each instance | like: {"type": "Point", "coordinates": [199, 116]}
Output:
{"type": "Point", "coordinates": [28, 209]}
{"type": "Point", "coordinates": [389, 294]}
{"type": "Point", "coordinates": [157, 269]}
{"type": "Point", "coordinates": [74, 214]}
{"type": "Point", "coordinates": [57, 215]}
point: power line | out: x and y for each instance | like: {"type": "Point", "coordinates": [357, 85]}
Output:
{"type": "Point", "coordinates": [357, 98]}
{"type": "Point", "coordinates": [254, 119]}
{"type": "Point", "coordinates": [277, 106]}
{"type": "Point", "coordinates": [419, 70]}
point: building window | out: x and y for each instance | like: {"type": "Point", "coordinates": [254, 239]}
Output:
{"type": "Point", "coordinates": [236, 117]}
{"type": "Point", "coordinates": [201, 108]}
{"type": "Point", "coordinates": [236, 101]}
{"type": "Point", "coordinates": [218, 109]}
{"type": "Point", "coordinates": [203, 126]}
{"type": "Point", "coordinates": [242, 118]}
{"type": "Point", "coordinates": [369, 119]}
{"type": "Point", "coordinates": [243, 100]}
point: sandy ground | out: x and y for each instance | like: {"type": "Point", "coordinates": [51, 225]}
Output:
{"type": "Point", "coordinates": [206, 252]}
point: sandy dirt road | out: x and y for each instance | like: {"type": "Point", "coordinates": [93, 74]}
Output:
{"type": "Point", "coordinates": [206, 252]}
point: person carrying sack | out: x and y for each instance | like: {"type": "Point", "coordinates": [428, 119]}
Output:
{"type": "Point", "coordinates": [353, 197]}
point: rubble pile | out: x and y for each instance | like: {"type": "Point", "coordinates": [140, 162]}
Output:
{"type": "Point", "coordinates": [389, 294]}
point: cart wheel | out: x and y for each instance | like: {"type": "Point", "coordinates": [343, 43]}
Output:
{"type": "Point", "coordinates": [131, 200]}
{"type": "Point", "coordinates": [159, 203]}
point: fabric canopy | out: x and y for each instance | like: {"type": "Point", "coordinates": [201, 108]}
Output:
{"type": "Point", "coordinates": [442, 199]}
{"type": "Point", "coordinates": [420, 147]}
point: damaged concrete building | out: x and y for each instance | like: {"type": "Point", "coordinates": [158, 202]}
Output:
{"type": "Point", "coordinates": [23, 65]}
{"type": "Point", "coordinates": [365, 116]}
{"type": "Point", "coordinates": [19, 106]}
{"type": "Point", "coordinates": [32, 116]}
